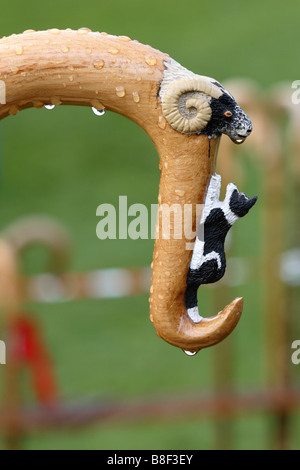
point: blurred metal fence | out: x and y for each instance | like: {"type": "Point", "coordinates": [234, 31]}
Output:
{"type": "Point", "coordinates": [274, 149]}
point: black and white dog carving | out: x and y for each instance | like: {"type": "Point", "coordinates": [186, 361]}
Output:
{"type": "Point", "coordinates": [208, 261]}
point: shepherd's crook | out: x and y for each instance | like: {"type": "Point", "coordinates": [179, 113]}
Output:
{"type": "Point", "coordinates": [184, 114]}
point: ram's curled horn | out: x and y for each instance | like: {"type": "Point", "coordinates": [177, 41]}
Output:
{"type": "Point", "coordinates": [185, 104]}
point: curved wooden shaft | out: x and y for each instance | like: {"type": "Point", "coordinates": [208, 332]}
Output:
{"type": "Point", "coordinates": [82, 68]}
{"type": "Point", "coordinates": [10, 286]}
{"type": "Point", "coordinates": [124, 76]}
{"type": "Point", "coordinates": [185, 174]}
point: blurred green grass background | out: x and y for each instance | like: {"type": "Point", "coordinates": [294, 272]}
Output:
{"type": "Point", "coordinates": [68, 161]}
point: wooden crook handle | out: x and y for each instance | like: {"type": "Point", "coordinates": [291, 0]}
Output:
{"type": "Point", "coordinates": [118, 74]}
{"type": "Point", "coordinates": [40, 231]}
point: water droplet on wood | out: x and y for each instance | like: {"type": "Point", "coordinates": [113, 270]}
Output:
{"type": "Point", "coordinates": [54, 31]}
{"type": "Point", "coordinates": [150, 60]}
{"type": "Point", "coordinates": [98, 112]}
{"type": "Point", "coordinates": [189, 353]}
{"type": "Point", "coordinates": [113, 51]}
{"type": "Point", "coordinates": [13, 110]}
{"type": "Point", "coordinates": [84, 31]}
{"type": "Point", "coordinates": [55, 101]}
{"type": "Point", "coordinates": [19, 50]}
{"type": "Point", "coordinates": [38, 104]}
{"type": "Point", "coordinates": [162, 122]}
{"type": "Point", "coordinates": [120, 91]}
{"type": "Point", "coordinates": [124, 38]}
{"type": "Point", "coordinates": [99, 64]}
{"type": "Point", "coordinates": [136, 96]}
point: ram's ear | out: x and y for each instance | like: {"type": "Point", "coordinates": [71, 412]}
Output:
{"type": "Point", "coordinates": [240, 204]}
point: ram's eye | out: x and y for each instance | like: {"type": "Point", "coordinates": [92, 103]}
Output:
{"type": "Point", "coordinates": [228, 113]}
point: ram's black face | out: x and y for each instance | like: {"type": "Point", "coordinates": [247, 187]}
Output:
{"type": "Point", "coordinates": [228, 118]}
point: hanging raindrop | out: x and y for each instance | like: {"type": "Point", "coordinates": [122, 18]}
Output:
{"type": "Point", "coordinates": [98, 112]}
{"type": "Point", "coordinates": [49, 106]}
{"type": "Point", "coordinates": [190, 353]}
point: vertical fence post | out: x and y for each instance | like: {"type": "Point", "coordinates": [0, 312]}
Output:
{"type": "Point", "coordinates": [223, 355]}
{"type": "Point", "coordinates": [274, 301]}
